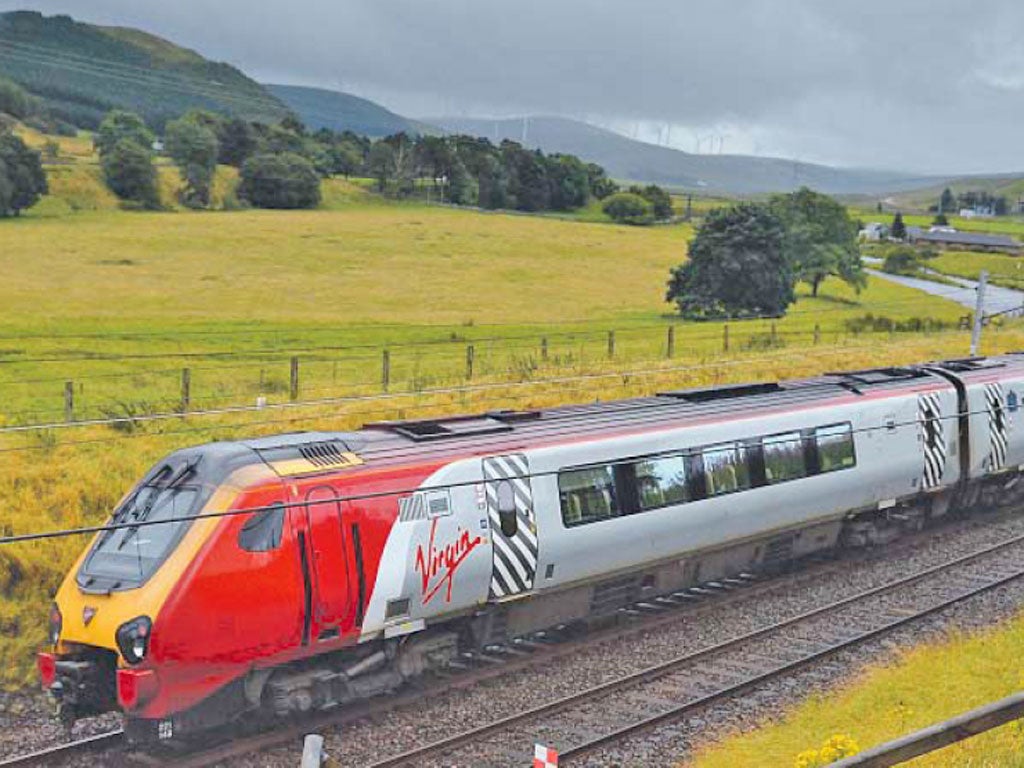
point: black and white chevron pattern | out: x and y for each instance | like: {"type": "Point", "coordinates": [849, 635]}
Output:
{"type": "Point", "coordinates": [995, 404]}
{"type": "Point", "coordinates": [929, 414]}
{"type": "Point", "coordinates": [515, 557]}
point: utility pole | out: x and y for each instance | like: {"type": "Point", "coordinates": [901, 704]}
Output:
{"type": "Point", "coordinates": [979, 313]}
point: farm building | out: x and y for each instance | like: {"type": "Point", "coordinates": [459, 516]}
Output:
{"type": "Point", "coordinates": [964, 241]}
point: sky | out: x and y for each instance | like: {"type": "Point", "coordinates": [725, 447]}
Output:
{"type": "Point", "coordinates": [934, 86]}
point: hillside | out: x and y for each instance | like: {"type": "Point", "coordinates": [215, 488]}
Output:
{"type": "Point", "coordinates": [632, 160]}
{"type": "Point", "coordinates": [321, 108]}
{"type": "Point", "coordinates": [81, 71]}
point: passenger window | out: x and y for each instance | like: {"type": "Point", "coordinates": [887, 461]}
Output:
{"type": "Point", "coordinates": [725, 469]}
{"type": "Point", "coordinates": [784, 458]}
{"type": "Point", "coordinates": [661, 482]}
{"type": "Point", "coordinates": [587, 495]}
{"type": "Point", "coordinates": [262, 532]}
{"type": "Point", "coordinates": [835, 447]}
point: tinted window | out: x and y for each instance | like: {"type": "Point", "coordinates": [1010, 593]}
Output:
{"type": "Point", "coordinates": [725, 469]}
{"type": "Point", "coordinates": [262, 532]}
{"type": "Point", "coordinates": [661, 482]}
{"type": "Point", "coordinates": [587, 495]}
{"type": "Point", "coordinates": [835, 447]}
{"type": "Point", "coordinates": [134, 553]}
{"type": "Point", "coordinates": [784, 458]}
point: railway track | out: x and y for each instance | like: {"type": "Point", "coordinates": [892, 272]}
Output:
{"type": "Point", "coordinates": [76, 748]}
{"type": "Point", "coordinates": [586, 722]}
{"type": "Point", "coordinates": [505, 741]}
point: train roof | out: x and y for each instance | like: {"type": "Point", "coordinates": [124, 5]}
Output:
{"type": "Point", "coordinates": [510, 430]}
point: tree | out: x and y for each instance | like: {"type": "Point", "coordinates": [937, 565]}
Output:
{"type": "Point", "coordinates": [568, 182]}
{"type": "Point", "coordinates": [381, 164]}
{"type": "Point", "coordinates": [628, 208]}
{"type": "Point", "coordinates": [237, 141]}
{"type": "Point", "coordinates": [129, 172]}
{"type": "Point", "coordinates": [940, 220]}
{"type": "Point", "coordinates": [22, 179]}
{"type": "Point", "coordinates": [898, 231]}
{"type": "Point", "coordinates": [119, 125]}
{"type": "Point", "coordinates": [737, 267]}
{"type": "Point", "coordinates": [193, 147]}
{"type": "Point", "coordinates": [14, 100]}
{"type": "Point", "coordinates": [463, 189]}
{"type": "Point", "coordinates": [346, 158]}
{"type": "Point", "coordinates": [285, 180]}
{"type": "Point", "coordinates": [600, 185]}
{"type": "Point", "coordinates": [947, 202]}
{"type": "Point", "coordinates": [821, 239]}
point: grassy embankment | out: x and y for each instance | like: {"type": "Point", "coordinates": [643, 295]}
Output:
{"type": "Point", "coordinates": [918, 688]}
{"type": "Point", "coordinates": [120, 302]}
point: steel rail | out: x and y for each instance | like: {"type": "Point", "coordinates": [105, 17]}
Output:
{"type": "Point", "coordinates": [46, 756]}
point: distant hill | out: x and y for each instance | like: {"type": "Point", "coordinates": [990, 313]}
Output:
{"type": "Point", "coordinates": [624, 158]}
{"type": "Point", "coordinates": [338, 111]}
{"type": "Point", "coordinates": [81, 71]}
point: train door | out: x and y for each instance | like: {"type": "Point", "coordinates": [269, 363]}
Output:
{"type": "Point", "coordinates": [995, 408]}
{"type": "Point", "coordinates": [513, 524]}
{"type": "Point", "coordinates": [330, 570]}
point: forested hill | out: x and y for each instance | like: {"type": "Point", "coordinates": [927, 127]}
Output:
{"type": "Point", "coordinates": [81, 71]}
{"type": "Point", "coordinates": [624, 158]}
{"type": "Point", "coordinates": [320, 108]}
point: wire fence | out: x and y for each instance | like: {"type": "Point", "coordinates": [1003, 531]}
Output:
{"type": "Point", "coordinates": [130, 386]}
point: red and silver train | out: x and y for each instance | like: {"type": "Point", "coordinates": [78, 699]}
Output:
{"type": "Point", "coordinates": [374, 556]}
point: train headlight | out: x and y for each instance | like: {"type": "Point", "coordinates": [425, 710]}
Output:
{"type": "Point", "coordinates": [133, 639]}
{"type": "Point", "coordinates": [56, 624]}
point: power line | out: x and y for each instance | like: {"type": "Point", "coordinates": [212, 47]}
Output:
{"type": "Point", "coordinates": [502, 398]}
{"type": "Point", "coordinates": [690, 452]}
{"type": "Point", "coordinates": [232, 409]}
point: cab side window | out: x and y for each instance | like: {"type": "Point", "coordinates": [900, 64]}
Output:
{"type": "Point", "coordinates": [262, 532]}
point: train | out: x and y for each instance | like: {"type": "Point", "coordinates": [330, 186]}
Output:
{"type": "Point", "coordinates": [286, 574]}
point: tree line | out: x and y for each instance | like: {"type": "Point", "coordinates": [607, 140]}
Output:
{"type": "Point", "coordinates": [745, 260]}
{"type": "Point", "coordinates": [971, 199]}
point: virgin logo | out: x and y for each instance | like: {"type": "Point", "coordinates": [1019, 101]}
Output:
{"type": "Point", "coordinates": [438, 563]}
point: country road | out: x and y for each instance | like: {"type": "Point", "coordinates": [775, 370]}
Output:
{"type": "Point", "coordinates": [997, 299]}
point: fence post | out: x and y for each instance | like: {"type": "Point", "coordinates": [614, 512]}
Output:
{"type": "Point", "coordinates": [670, 344]}
{"type": "Point", "coordinates": [817, 334]}
{"type": "Point", "coordinates": [186, 389]}
{"type": "Point", "coordinates": [470, 355]}
{"type": "Point", "coordinates": [725, 338]}
{"type": "Point", "coordinates": [69, 401]}
{"type": "Point", "coordinates": [544, 349]}
{"type": "Point", "coordinates": [611, 344]}
{"type": "Point", "coordinates": [774, 335]}
{"type": "Point", "coordinates": [294, 380]}
{"type": "Point", "coordinates": [385, 370]}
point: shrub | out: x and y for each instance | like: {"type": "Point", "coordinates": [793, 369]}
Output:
{"type": "Point", "coordinates": [285, 180]}
{"type": "Point", "coordinates": [628, 208]}
{"type": "Point", "coordinates": [902, 260]}
{"type": "Point", "coordinates": [14, 100]}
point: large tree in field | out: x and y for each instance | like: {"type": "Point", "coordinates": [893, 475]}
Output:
{"type": "Point", "coordinates": [129, 173]}
{"type": "Point", "coordinates": [737, 267]}
{"type": "Point", "coordinates": [194, 148]}
{"type": "Point", "coordinates": [821, 239]}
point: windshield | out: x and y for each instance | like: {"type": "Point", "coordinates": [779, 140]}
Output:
{"type": "Point", "coordinates": [129, 556]}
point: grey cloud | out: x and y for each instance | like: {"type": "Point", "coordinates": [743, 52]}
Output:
{"type": "Point", "coordinates": [923, 85]}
